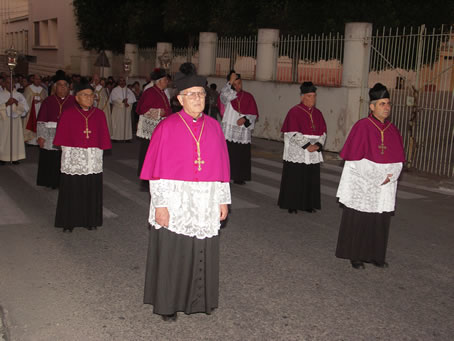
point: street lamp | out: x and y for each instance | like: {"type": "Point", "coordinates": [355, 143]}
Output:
{"type": "Point", "coordinates": [127, 69]}
{"type": "Point", "coordinates": [11, 55]}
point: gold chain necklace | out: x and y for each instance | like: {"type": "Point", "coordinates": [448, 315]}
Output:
{"type": "Point", "coordinates": [310, 116]}
{"type": "Point", "coordinates": [199, 161]}
{"type": "Point", "coordinates": [239, 103]}
{"type": "Point", "coordinates": [382, 147]}
{"type": "Point", "coordinates": [86, 131]}
{"type": "Point", "coordinates": [60, 105]}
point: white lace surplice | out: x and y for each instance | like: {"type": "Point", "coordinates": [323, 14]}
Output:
{"type": "Point", "coordinates": [232, 131]}
{"type": "Point", "coordinates": [147, 124]}
{"type": "Point", "coordinates": [47, 130]}
{"type": "Point", "coordinates": [361, 188]}
{"type": "Point", "coordinates": [193, 206]}
{"type": "Point", "coordinates": [81, 161]}
{"type": "Point", "coordinates": [293, 148]}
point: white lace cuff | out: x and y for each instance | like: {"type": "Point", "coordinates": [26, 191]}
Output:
{"type": "Point", "coordinates": [227, 94]}
{"type": "Point", "coordinates": [236, 133]}
{"type": "Point", "coordinates": [224, 193]}
{"type": "Point", "coordinates": [81, 161]}
{"type": "Point", "coordinates": [146, 126]}
{"type": "Point", "coordinates": [46, 130]}
{"type": "Point", "coordinates": [293, 151]}
{"type": "Point", "coordinates": [158, 191]}
{"type": "Point", "coordinates": [298, 139]}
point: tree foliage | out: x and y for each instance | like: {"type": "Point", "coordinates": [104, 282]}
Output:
{"type": "Point", "coordinates": [109, 24]}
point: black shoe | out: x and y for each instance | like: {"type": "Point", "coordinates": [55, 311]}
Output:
{"type": "Point", "coordinates": [16, 162]}
{"type": "Point", "coordinates": [291, 210]}
{"type": "Point", "coordinates": [239, 182]}
{"type": "Point", "coordinates": [357, 264]}
{"type": "Point", "coordinates": [68, 229]}
{"type": "Point", "coordinates": [383, 265]}
{"type": "Point", "coordinates": [2, 163]}
{"type": "Point", "coordinates": [310, 210]}
{"type": "Point", "coordinates": [171, 317]}
{"type": "Point", "coordinates": [92, 228]}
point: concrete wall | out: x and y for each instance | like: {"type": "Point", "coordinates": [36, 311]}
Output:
{"type": "Point", "coordinates": [275, 99]}
{"type": "Point", "coordinates": [59, 57]}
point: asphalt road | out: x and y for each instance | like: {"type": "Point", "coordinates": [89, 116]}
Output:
{"type": "Point", "coordinates": [279, 278]}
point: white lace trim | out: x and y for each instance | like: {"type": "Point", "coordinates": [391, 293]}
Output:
{"type": "Point", "coordinates": [81, 161]}
{"type": "Point", "coordinates": [193, 206]}
{"type": "Point", "coordinates": [293, 148]}
{"type": "Point", "coordinates": [146, 126]}
{"type": "Point", "coordinates": [361, 188]}
{"type": "Point", "coordinates": [47, 130]}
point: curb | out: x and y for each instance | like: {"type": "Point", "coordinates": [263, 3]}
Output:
{"type": "Point", "coordinates": [3, 330]}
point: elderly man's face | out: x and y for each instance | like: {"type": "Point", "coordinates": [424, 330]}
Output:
{"type": "Point", "coordinates": [61, 88]}
{"type": "Point", "coordinates": [96, 79]}
{"type": "Point", "coordinates": [37, 80]}
{"type": "Point", "coordinates": [122, 82]}
{"type": "Point", "coordinates": [85, 98]}
{"type": "Point", "coordinates": [309, 99]}
{"type": "Point", "coordinates": [7, 83]}
{"type": "Point", "coordinates": [193, 100]}
{"type": "Point", "coordinates": [381, 109]}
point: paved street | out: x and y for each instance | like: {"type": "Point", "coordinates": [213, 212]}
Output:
{"type": "Point", "coordinates": [279, 278]}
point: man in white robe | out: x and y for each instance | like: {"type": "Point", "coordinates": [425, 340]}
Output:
{"type": "Point", "coordinates": [102, 99]}
{"type": "Point", "coordinates": [35, 94]}
{"type": "Point", "coordinates": [11, 109]}
{"type": "Point", "coordinates": [122, 99]}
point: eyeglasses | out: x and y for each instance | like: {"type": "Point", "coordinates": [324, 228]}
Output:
{"type": "Point", "coordinates": [86, 95]}
{"type": "Point", "coordinates": [195, 94]}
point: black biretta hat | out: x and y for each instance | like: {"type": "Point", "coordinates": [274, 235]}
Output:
{"type": "Point", "coordinates": [188, 78]}
{"type": "Point", "coordinates": [158, 73]}
{"type": "Point", "coordinates": [60, 75]}
{"type": "Point", "coordinates": [379, 91]}
{"type": "Point", "coordinates": [307, 87]}
{"type": "Point", "coordinates": [82, 85]}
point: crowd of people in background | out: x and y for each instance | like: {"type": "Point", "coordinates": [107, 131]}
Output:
{"type": "Point", "coordinates": [108, 84]}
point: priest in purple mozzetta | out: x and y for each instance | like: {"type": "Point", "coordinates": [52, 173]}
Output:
{"type": "Point", "coordinates": [49, 114]}
{"type": "Point", "coordinates": [153, 106]}
{"type": "Point", "coordinates": [374, 156]}
{"type": "Point", "coordinates": [187, 166]}
{"type": "Point", "coordinates": [83, 135]}
{"type": "Point", "coordinates": [304, 136]}
{"type": "Point", "coordinates": [239, 113]}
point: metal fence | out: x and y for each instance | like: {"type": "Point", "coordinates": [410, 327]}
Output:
{"type": "Point", "coordinates": [417, 66]}
{"type": "Point", "coordinates": [238, 53]}
{"type": "Point", "coordinates": [316, 58]}
{"type": "Point", "coordinates": [183, 55]}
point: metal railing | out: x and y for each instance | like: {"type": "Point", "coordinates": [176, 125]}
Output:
{"type": "Point", "coordinates": [417, 65]}
{"type": "Point", "coordinates": [183, 55]}
{"type": "Point", "coordinates": [238, 53]}
{"type": "Point", "coordinates": [316, 58]}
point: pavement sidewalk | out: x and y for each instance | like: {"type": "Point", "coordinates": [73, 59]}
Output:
{"type": "Point", "coordinates": [273, 150]}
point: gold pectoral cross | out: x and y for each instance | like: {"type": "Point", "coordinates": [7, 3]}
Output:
{"type": "Point", "coordinates": [382, 147]}
{"type": "Point", "coordinates": [199, 160]}
{"type": "Point", "coordinates": [87, 131]}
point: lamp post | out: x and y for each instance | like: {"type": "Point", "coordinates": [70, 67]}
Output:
{"type": "Point", "coordinates": [127, 69]}
{"type": "Point", "coordinates": [11, 55]}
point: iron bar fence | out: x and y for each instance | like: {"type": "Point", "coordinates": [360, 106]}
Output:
{"type": "Point", "coordinates": [316, 58]}
{"type": "Point", "coordinates": [417, 66]}
{"type": "Point", "coordinates": [238, 53]}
